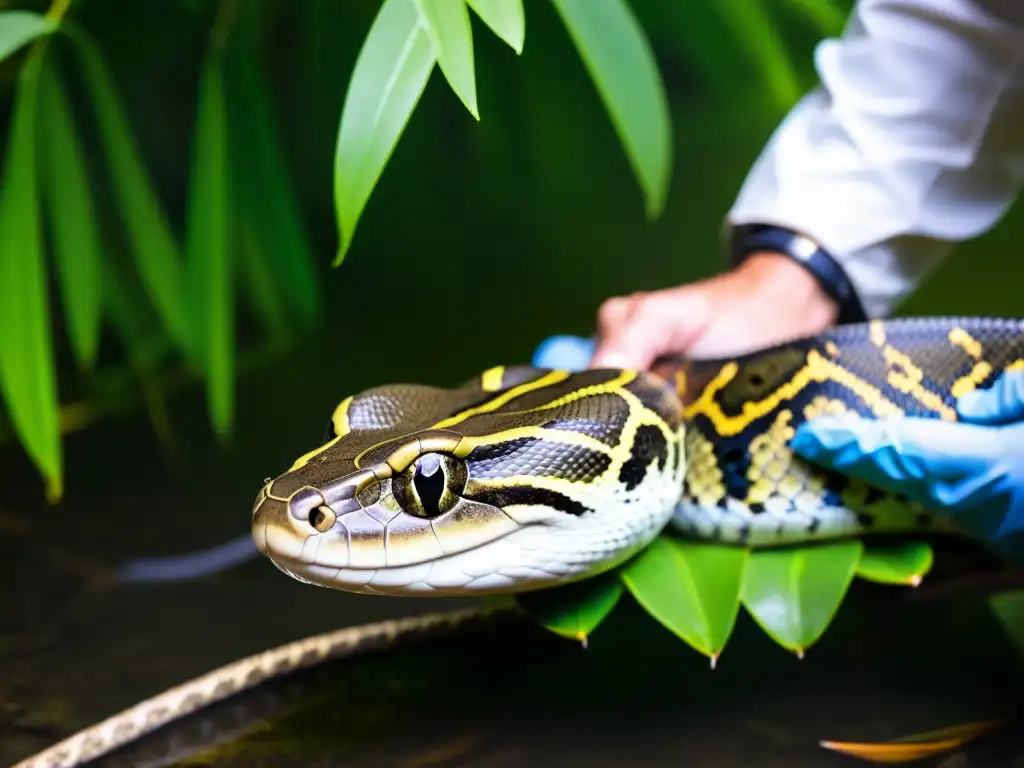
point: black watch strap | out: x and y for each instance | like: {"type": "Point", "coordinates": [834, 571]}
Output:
{"type": "Point", "coordinates": [815, 259]}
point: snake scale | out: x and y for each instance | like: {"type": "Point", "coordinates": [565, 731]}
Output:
{"type": "Point", "coordinates": [525, 478]}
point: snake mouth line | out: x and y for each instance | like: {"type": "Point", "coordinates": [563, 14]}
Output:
{"type": "Point", "coordinates": [290, 563]}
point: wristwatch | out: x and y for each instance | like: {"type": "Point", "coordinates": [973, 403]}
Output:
{"type": "Point", "coordinates": [760, 238]}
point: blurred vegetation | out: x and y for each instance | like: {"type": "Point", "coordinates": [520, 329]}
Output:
{"type": "Point", "coordinates": [172, 198]}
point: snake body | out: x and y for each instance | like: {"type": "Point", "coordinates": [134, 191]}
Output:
{"type": "Point", "coordinates": [526, 478]}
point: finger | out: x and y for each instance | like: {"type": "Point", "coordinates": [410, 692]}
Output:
{"type": "Point", "coordinates": [661, 323]}
{"type": "Point", "coordinates": [1001, 403]}
{"type": "Point", "coordinates": [571, 353]}
{"type": "Point", "coordinates": [929, 460]}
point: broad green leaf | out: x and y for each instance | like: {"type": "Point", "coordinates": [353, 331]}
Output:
{"type": "Point", "coordinates": [267, 197]}
{"type": "Point", "coordinates": [208, 250]}
{"type": "Point", "coordinates": [619, 59]}
{"type": "Point", "coordinates": [447, 26]}
{"type": "Point", "coordinates": [390, 74]}
{"type": "Point", "coordinates": [793, 593]}
{"type": "Point", "coordinates": [19, 28]}
{"type": "Point", "coordinates": [1008, 608]}
{"type": "Point", "coordinates": [156, 252]}
{"type": "Point", "coordinates": [505, 18]}
{"type": "Point", "coordinates": [68, 195]}
{"type": "Point", "coordinates": [576, 610]}
{"type": "Point", "coordinates": [759, 38]}
{"type": "Point", "coordinates": [690, 587]}
{"type": "Point", "coordinates": [904, 563]}
{"type": "Point", "coordinates": [27, 375]}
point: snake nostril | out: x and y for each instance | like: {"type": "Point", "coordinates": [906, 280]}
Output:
{"type": "Point", "coordinates": [322, 518]}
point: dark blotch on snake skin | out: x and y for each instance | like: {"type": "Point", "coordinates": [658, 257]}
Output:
{"type": "Point", "coordinates": [648, 444]}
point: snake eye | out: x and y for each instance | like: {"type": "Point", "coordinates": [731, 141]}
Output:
{"type": "Point", "coordinates": [431, 485]}
{"type": "Point", "coordinates": [322, 518]}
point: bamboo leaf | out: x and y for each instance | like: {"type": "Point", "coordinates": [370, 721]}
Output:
{"type": "Point", "coordinates": [267, 198]}
{"type": "Point", "coordinates": [390, 74]}
{"type": "Point", "coordinates": [619, 59]}
{"type": "Point", "coordinates": [794, 593]}
{"type": "Point", "coordinates": [154, 248]}
{"type": "Point", "coordinates": [904, 563]}
{"type": "Point", "coordinates": [208, 250]}
{"type": "Point", "coordinates": [916, 747]}
{"type": "Point", "coordinates": [505, 18]}
{"type": "Point", "coordinates": [576, 610]}
{"type": "Point", "coordinates": [259, 278]}
{"type": "Point", "coordinates": [19, 28]}
{"type": "Point", "coordinates": [823, 13]}
{"type": "Point", "coordinates": [68, 195]}
{"type": "Point", "coordinates": [760, 38]}
{"type": "Point", "coordinates": [27, 375]}
{"type": "Point", "coordinates": [447, 25]}
{"type": "Point", "coordinates": [692, 588]}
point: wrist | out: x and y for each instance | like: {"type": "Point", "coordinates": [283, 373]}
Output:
{"type": "Point", "coordinates": [777, 279]}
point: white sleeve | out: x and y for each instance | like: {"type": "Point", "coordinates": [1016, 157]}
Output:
{"type": "Point", "coordinates": [913, 141]}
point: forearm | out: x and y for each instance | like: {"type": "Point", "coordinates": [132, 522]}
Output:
{"type": "Point", "coordinates": [912, 142]}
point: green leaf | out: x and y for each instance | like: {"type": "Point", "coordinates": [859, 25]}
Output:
{"type": "Point", "coordinates": [505, 18]}
{"type": "Point", "coordinates": [259, 278]}
{"type": "Point", "coordinates": [1008, 608]}
{"type": "Point", "coordinates": [267, 197]}
{"type": "Point", "coordinates": [390, 74]}
{"type": "Point", "coordinates": [447, 26]}
{"type": "Point", "coordinates": [208, 250]}
{"type": "Point", "coordinates": [27, 375]}
{"type": "Point", "coordinates": [18, 28]}
{"type": "Point", "coordinates": [153, 244]}
{"type": "Point", "coordinates": [68, 195]}
{"type": "Point", "coordinates": [759, 38]}
{"type": "Point", "coordinates": [794, 593]}
{"type": "Point", "coordinates": [692, 588]}
{"type": "Point", "coordinates": [620, 62]}
{"type": "Point", "coordinates": [903, 563]}
{"type": "Point", "coordinates": [576, 610]}
{"type": "Point", "coordinates": [823, 13]}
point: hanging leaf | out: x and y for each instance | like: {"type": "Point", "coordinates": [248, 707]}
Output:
{"type": "Point", "coordinates": [794, 593]}
{"type": "Point", "coordinates": [27, 375]}
{"type": "Point", "coordinates": [505, 18]}
{"type": "Point", "coordinates": [903, 563]}
{"type": "Point", "coordinates": [620, 61]}
{"type": "Point", "coordinates": [692, 588]}
{"type": "Point", "coordinates": [915, 747]}
{"type": "Point", "coordinates": [1008, 608]}
{"type": "Point", "coordinates": [267, 197]}
{"type": "Point", "coordinates": [447, 25]}
{"type": "Point", "coordinates": [759, 37]}
{"type": "Point", "coordinates": [68, 195]}
{"type": "Point", "coordinates": [576, 610]}
{"type": "Point", "coordinates": [259, 278]}
{"type": "Point", "coordinates": [154, 247]}
{"type": "Point", "coordinates": [390, 74]}
{"type": "Point", "coordinates": [208, 250]}
{"type": "Point", "coordinates": [19, 28]}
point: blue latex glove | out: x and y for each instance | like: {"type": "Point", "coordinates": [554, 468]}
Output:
{"type": "Point", "coordinates": [568, 353]}
{"type": "Point", "coordinates": [972, 469]}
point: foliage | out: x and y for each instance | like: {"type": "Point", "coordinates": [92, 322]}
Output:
{"type": "Point", "coordinates": [695, 589]}
{"type": "Point", "coordinates": [173, 302]}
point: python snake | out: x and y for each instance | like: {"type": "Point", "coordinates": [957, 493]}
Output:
{"type": "Point", "coordinates": [525, 478]}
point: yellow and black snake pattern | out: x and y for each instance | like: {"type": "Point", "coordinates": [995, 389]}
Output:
{"type": "Point", "coordinates": [526, 478]}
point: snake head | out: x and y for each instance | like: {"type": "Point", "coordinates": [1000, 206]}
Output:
{"type": "Point", "coordinates": [518, 480]}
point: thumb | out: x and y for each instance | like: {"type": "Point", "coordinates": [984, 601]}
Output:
{"type": "Point", "coordinates": [1001, 403]}
{"type": "Point", "coordinates": [634, 331]}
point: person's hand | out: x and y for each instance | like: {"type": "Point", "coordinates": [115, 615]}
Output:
{"type": "Point", "coordinates": [972, 469]}
{"type": "Point", "coordinates": [767, 299]}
